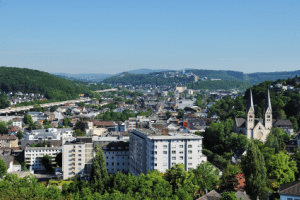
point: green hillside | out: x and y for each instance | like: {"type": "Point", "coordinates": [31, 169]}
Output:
{"type": "Point", "coordinates": [229, 79]}
{"type": "Point", "coordinates": [34, 81]}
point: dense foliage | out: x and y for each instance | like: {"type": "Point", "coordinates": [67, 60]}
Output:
{"type": "Point", "coordinates": [34, 81]}
{"type": "Point", "coordinates": [219, 84]}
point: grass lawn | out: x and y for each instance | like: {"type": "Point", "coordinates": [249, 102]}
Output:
{"type": "Point", "coordinates": [60, 183]}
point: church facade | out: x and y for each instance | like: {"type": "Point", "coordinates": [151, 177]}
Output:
{"type": "Point", "coordinates": [252, 127]}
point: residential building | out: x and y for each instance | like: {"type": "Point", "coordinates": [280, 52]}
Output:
{"type": "Point", "coordinates": [161, 150]}
{"type": "Point", "coordinates": [49, 134]}
{"type": "Point", "coordinates": [17, 122]}
{"type": "Point", "coordinates": [290, 191]}
{"type": "Point", "coordinates": [33, 155]}
{"type": "Point", "coordinates": [8, 141]}
{"type": "Point", "coordinates": [286, 125]}
{"type": "Point", "coordinates": [77, 157]}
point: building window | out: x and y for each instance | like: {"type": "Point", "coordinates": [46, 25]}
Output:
{"type": "Point", "coordinates": [155, 164]}
{"type": "Point", "coordinates": [165, 146]}
{"type": "Point", "coordinates": [173, 152]}
{"type": "Point", "coordinates": [189, 146]}
{"type": "Point", "coordinates": [79, 163]}
{"type": "Point", "coordinates": [155, 152]}
{"type": "Point", "coordinates": [112, 163]}
{"type": "Point", "coordinates": [180, 152]}
{"type": "Point", "coordinates": [190, 152]}
{"type": "Point", "coordinates": [173, 163]}
{"type": "Point", "coordinates": [165, 164]}
{"type": "Point", "coordinates": [79, 159]}
{"type": "Point", "coordinates": [181, 158]}
{"type": "Point", "coordinates": [165, 152]}
{"type": "Point", "coordinates": [190, 158]}
{"type": "Point", "coordinates": [79, 154]}
{"type": "Point", "coordinates": [155, 146]}
{"type": "Point", "coordinates": [190, 164]}
{"type": "Point", "coordinates": [180, 146]}
{"type": "Point", "coordinates": [173, 158]}
{"type": "Point", "coordinates": [173, 146]}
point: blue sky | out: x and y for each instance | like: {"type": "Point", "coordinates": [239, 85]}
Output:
{"type": "Point", "coordinates": [112, 36]}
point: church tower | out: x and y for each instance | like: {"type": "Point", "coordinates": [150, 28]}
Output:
{"type": "Point", "coordinates": [250, 114]}
{"type": "Point", "coordinates": [268, 112]}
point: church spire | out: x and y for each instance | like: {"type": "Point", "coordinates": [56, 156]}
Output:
{"type": "Point", "coordinates": [268, 103]}
{"type": "Point", "coordinates": [250, 102]}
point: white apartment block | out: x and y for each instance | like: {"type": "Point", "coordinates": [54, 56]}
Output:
{"type": "Point", "coordinates": [33, 155]}
{"type": "Point", "coordinates": [155, 150]}
{"type": "Point", "coordinates": [116, 155]}
{"type": "Point", "coordinates": [77, 157]}
{"type": "Point", "coordinates": [49, 134]}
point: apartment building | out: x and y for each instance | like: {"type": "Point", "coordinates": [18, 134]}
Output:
{"type": "Point", "coordinates": [33, 154]}
{"type": "Point", "coordinates": [77, 157]}
{"type": "Point", "coordinates": [116, 152]}
{"type": "Point", "coordinates": [8, 141]}
{"type": "Point", "coordinates": [161, 150]}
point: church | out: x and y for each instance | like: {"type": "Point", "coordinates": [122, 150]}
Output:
{"type": "Point", "coordinates": [255, 127]}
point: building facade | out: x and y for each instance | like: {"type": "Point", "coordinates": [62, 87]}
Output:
{"type": "Point", "coordinates": [77, 157]}
{"type": "Point", "coordinates": [255, 127]}
{"type": "Point", "coordinates": [160, 150]}
{"type": "Point", "coordinates": [33, 154]}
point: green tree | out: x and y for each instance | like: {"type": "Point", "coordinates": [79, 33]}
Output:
{"type": "Point", "coordinates": [20, 134]}
{"type": "Point", "coordinates": [66, 121]}
{"type": "Point", "coordinates": [228, 196]}
{"type": "Point", "coordinates": [181, 181]}
{"type": "Point", "coordinates": [295, 123]}
{"type": "Point", "coordinates": [28, 119]}
{"type": "Point", "coordinates": [206, 176]}
{"type": "Point", "coordinates": [281, 168]}
{"type": "Point", "coordinates": [277, 139]}
{"type": "Point", "coordinates": [46, 161]}
{"type": "Point", "coordinates": [46, 122]}
{"type": "Point", "coordinates": [3, 129]}
{"type": "Point", "coordinates": [58, 159]}
{"type": "Point", "coordinates": [229, 179]}
{"type": "Point", "coordinates": [9, 123]}
{"type": "Point", "coordinates": [4, 102]}
{"type": "Point", "coordinates": [253, 166]}
{"type": "Point", "coordinates": [3, 168]}
{"type": "Point", "coordinates": [99, 171]}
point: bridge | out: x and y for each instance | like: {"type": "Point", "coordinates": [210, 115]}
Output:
{"type": "Point", "coordinates": [108, 90]}
{"type": "Point", "coordinates": [26, 108]}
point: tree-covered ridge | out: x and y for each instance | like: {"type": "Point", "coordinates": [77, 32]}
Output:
{"type": "Point", "coordinates": [34, 81]}
{"type": "Point", "coordinates": [219, 84]}
{"type": "Point", "coordinates": [233, 79]}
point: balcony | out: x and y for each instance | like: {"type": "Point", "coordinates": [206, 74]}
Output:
{"type": "Point", "coordinates": [73, 153]}
{"type": "Point", "coordinates": [73, 171]}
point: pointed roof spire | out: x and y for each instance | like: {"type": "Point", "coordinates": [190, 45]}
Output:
{"type": "Point", "coordinates": [250, 102]}
{"type": "Point", "coordinates": [268, 102]}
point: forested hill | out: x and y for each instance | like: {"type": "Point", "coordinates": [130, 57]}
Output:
{"type": "Point", "coordinates": [232, 79]}
{"type": "Point", "coordinates": [34, 81]}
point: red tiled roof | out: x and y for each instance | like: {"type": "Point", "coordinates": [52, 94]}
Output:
{"type": "Point", "coordinates": [8, 137]}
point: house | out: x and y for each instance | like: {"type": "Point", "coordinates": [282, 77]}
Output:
{"type": "Point", "coordinates": [212, 195]}
{"type": "Point", "coordinates": [8, 141]}
{"type": "Point", "coordinates": [17, 122]}
{"type": "Point", "coordinates": [286, 125]}
{"type": "Point", "coordinates": [290, 191]}
{"type": "Point", "coordinates": [189, 116]}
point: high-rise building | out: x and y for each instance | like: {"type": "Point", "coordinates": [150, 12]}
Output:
{"type": "Point", "coordinates": [161, 150]}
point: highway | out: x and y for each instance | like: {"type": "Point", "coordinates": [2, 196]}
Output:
{"type": "Point", "coordinates": [26, 108]}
